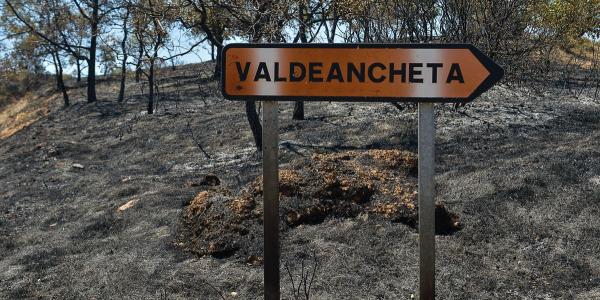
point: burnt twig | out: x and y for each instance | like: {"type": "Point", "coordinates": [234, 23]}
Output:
{"type": "Point", "coordinates": [302, 288]}
{"type": "Point", "coordinates": [191, 132]}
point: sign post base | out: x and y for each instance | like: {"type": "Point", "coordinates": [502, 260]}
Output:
{"type": "Point", "coordinates": [270, 139]}
{"type": "Point", "coordinates": [426, 201]}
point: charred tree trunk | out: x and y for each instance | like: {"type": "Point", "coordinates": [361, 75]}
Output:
{"type": "Point", "coordinates": [218, 71]}
{"type": "Point", "coordinates": [218, 46]}
{"type": "Point", "coordinates": [298, 110]}
{"type": "Point", "coordinates": [124, 61]}
{"type": "Point", "coordinates": [152, 59]}
{"type": "Point", "coordinates": [123, 78]}
{"type": "Point", "coordinates": [299, 105]}
{"type": "Point", "coordinates": [140, 56]}
{"type": "Point", "coordinates": [151, 88]}
{"type": "Point", "coordinates": [151, 76]}
{"type": "Point", "coordinates": [78, 63]}
{"type": "Point", "coordinates": [91, 79]}
{"type": "Point", "coordinates": [138, 64]}
{"type": "Point", "coordinates": [56, 70]}
{"type": "Point", "coordinates": [60, 84]}
{"type": "Point", "coordinates": [254, 122]}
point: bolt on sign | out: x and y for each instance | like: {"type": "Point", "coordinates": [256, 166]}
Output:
{"type": "Point", "coordinates": [423, 73]}
{"type": "Point", "coordinates": [370, 72]}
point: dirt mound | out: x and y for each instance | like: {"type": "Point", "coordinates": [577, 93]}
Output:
{"type": "Point", "coordinates": [340, 185]}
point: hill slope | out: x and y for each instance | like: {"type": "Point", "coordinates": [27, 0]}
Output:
{"type": "Point", "coordinates": [91, 198]}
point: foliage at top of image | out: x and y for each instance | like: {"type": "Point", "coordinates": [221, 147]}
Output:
{"type": "Point", "coordinates": [569, 19]}
{"type": "Point", "coordinates": [539, 41]}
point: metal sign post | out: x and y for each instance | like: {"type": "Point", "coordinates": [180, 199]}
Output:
{"type": "Point", "coordinates": [422, 73]}
{"type": "Point", "coordinates": [270, 139]}
{"type": "Point", "coordinates": [426, 201]}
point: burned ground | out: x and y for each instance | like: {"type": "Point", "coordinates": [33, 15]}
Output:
{"type": "Point", "coordinates": [92, 198]}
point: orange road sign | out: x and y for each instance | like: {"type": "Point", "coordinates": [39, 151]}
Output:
{"type": "Point", "coordinates": [357, 72]}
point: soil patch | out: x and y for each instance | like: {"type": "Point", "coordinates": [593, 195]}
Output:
{"type": "Point", "coordinates": [381, 183]}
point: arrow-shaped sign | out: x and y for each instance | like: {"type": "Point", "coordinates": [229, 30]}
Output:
{"type": "Point", "coordinates": [357, 72]}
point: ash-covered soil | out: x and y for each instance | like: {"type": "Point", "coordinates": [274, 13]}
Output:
{"type": "Point", "coordinates": [92, 198]}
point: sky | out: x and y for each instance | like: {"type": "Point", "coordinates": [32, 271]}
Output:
{"type": "Point", "coordinates": [180, 39]}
